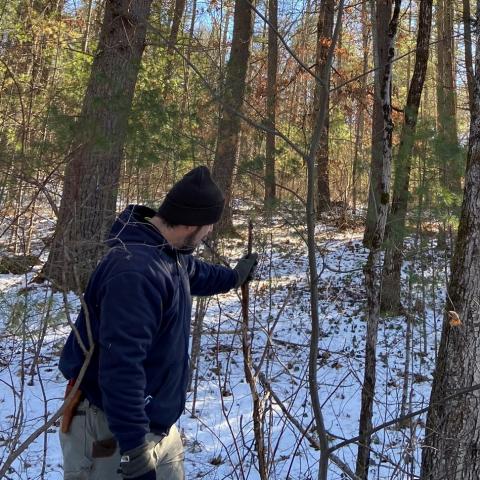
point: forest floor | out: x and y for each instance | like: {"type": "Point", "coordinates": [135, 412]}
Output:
{"type": "Point", "coordinates": [217, 425]}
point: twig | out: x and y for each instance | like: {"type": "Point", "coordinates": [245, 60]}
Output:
{"type": "Point", "coordinates": [458, 393]}
{"type": "Point", "coordinates": [342, 465]}
{"type": "Point", "coordinates": [311, 247]}
{"type": "Point", "coordinates": [88, 356]}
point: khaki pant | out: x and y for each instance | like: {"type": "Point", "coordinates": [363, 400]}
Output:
{"type": "Point", "coordinates": [90, 426]}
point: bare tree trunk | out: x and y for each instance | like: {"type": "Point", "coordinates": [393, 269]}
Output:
{"type": "Point", "coordinates": [185, 105]}
{"type": "Point", "coordinates": [448, 150]}
{"type": "Point", "coordinates": [453, 428]}
{"type": "Point", "coordinates": [324, 38]}
{"type": "Point", "coordinates": [176, 22]}
{"type": "Point", "coordinates": [178, 12]}
{"type": "Point", "coordinates": [232, 100]}
{"type": "Point", "coordinates": [87, 26]}
{"type": "Point", "coordinates": [397, 218]}
{"type": "Point", "coordinates": [380, 11]}
{"type": "Point", "coordinates": [92, 174]}
{"type": "Point", "coordinates": [440, 63]}
{"type": "Point", "coordinates": [467, 28]}
{"type": "Point", "coordinates": [270, 182]}
{"type": "Point", "coordinates": [224, 44]}
{"type": "Point", "coordinates": [359, 128]}
{"type": "Point", "coordinates": [371, 268]}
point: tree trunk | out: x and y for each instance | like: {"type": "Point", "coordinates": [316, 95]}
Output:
{"type": "Point", "coordinates": [87, 207]}
{"type": "Point", "coordinates": [178, 11]}
{"type": "Point", "coordinates": [397, 218]}
{"type": "Point", "coordinates": [176, 22]}
{"type": "Point", "coordinates": [453, 427]}
{"type": "Point", "coordinates": [371, 270]}
{"type": "Point", "coordinates": [232, 101]}
{"type": "Point", "coordinates": [324, 38]}
{"type": "Point", "coordinates": [87, 26]}
{"type": "Point", "coordinates": [446, 99]}
{"type": "Point", "coordinates": [224, 43]}
{"type": "Point", "coordinates": [381, 10]}
{"type": "Point", "coordinates": [467, 28]}
{"type": "Point", "coordinates": [272, 60]}
{"type": "Point", "coordinates": [359, 128]}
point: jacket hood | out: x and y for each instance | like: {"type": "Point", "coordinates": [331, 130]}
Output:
{"type": "Point", "coordinates": [131, 227]}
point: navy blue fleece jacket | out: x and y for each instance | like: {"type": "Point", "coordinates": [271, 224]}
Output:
{"type": "Point", "coordinates": [139, 305]}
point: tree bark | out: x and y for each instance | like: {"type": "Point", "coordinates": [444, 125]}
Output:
{"type": "Point", "coordinates": [178, 12]}
{"type": "Point", "coordinates": [397, 218]}
{"type": "Point", "coordinates": [371, 276]}
{"type": "Point", "coordinates": [272, 60]}
{"type": "Point", "coordinates": [88, 21]}
{"type": "Point", "coordinates": [453, 428]}
{"type": "Point", "coordinates": [380, 11]}
{"type": "Point", "coordinates": [232, 100]}
{"type": "Point", "coordinates": [176, 22]}
{"type": "Point", "coordinates": [324, 39]}
{"type": "Point", "coordinates": [448, 150]}
{"type": "Point", "coordinates": [88, 207]}
{"type": "Point", "coordinates": [359, 128]}
{"type": "Point", "coordinates": [467, 28]}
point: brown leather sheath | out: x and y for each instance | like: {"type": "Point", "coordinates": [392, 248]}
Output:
{"type": "Point", "coordinates": [71, 407]}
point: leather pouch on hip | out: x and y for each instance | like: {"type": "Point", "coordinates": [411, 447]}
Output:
{"type": "Point", "coordinates": [104, 448]}
{"type": "Point", "coordinates": [71, 407]}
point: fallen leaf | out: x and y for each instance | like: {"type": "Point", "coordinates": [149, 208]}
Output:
{"type": "Point", "coordinates": [454, 319]}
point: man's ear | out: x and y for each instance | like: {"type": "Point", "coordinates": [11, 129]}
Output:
{"type": "Point", "coordinates": [189, 229]}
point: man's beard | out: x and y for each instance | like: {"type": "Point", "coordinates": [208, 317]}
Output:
{"type": "Point", "coordinates": [191, 242]}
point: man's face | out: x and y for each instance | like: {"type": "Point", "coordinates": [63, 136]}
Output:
{"type": "Point", "coordinates": [196, 235]}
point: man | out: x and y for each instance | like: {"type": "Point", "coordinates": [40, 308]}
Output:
{"type": "Point", "coordinates": [139, 308]}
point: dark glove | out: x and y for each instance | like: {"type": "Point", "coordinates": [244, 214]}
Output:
{"type": "Point", "coordinates": [150, 475]}
{"type": "Point", "coordinates": [245, 268]}
{"type": "Point", "coordinates": [138, 463]}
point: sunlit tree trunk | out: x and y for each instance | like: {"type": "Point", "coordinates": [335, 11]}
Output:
{"type": "Point", "coordinates": [467, 27]}
{"type": "Point", "coordinates": [324, 39]}
{"type": "Point", "coordinates": [359, 127]}
{"type": "Point", "coordinates": [448, 151]}
{"type": "Point", "coordinates": [92, 173]}
{"type": "Point", "coordinates": [403, 164]}
{"type": "Point", "coordinates": [232, 101]}
{"type": "Point", "coordinates": [372, 283]}
{"type": "Point", "coordinates": [272, 61]}
{"type": "Point", "coordinates": [380, 10]}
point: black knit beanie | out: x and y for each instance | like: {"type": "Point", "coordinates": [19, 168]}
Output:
{"type": "Point", "coordinates": [193, 200]}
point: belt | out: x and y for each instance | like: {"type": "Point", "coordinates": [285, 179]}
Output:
{"type": "Point", "coordinates": [156, 430]}
{"type": "Point", "coordinates": [161, 431]}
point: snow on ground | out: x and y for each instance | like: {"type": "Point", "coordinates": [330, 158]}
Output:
{"type": "Point", "coordinates": [217, 424]}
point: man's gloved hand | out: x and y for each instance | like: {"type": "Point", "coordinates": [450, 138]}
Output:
{"type": "Point", "coordinates": [138, 463]}
{"type": "Point", "coordinates": [245, 268]}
